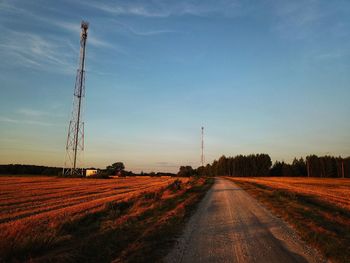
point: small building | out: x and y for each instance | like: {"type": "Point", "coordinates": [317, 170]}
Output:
{"type": "Point", "coordinates": [91, 172]}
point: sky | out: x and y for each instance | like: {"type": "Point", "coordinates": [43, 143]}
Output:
{"type": "Point", "coordinates": [260, 76]}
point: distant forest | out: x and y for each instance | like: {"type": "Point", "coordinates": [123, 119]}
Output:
{"type": "Point", "coordinates": [261, 165]}
{"type": "Point", "coordinates": [25, 169]}
{"type": "Point", "coordinates": [240, 165]}
{"type": "Point", "coordinates": [29, 169]}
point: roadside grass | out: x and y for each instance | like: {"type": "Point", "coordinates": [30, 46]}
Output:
{"type": "Point", "coordinates": [139, 229]}
{"type": "Point", "coordinates": [319, 223]}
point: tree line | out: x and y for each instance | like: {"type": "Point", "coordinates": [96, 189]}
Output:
{"type": "Point", "coordinates": [314, 166]}
{"type": "Point", "coordinates": [29, 169]}
{"type": "Point", "coordinates": [117, 168]}
{"type": "Point", "coordinates": [261, 165]}
{"type": "Point", "coordinates": [240, 165]}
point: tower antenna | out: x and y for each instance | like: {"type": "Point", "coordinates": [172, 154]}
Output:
{"type": "Point", "coordinates": [202, 147]}
{"type": "Point", "coordinates": [75, 137]}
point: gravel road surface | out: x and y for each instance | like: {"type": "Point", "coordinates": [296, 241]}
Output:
{"type": "Point", "coordinates": [231, 226]}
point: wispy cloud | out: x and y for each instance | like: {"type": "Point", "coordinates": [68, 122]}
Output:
{"type": "Point", "coordinates": [34, 51]}
{"type": "Point", "coordinates": [131, 8]}
{"type": "Point", "coordinates": [75, 28]}
{"type": "Point", "coordinates": [331, 55]}
{"type": "Point", "coordinates": [133, 31]}
{"type": "Point", "coordinates": [305, 19]}
{"type": "Point", "coordinates": [161, 9]}
{"type": "Point", "coordinates": [326, 57]}
{"type": "Point", "coordinates": [24, 121]}
{"type": "Point", "coordinates": [137, 10]}
{"type": "Point", "coordinates": [150, 33]}
{"type": "Point", "coordinates": [29, 116]}
{"type": "Point", "coordinates": [8, 6]}
{"type": "Point", "coordinates": [51, 52]}
{"type": "Point", "coordinates": [31, 112]}
{"type": "Point", "coordinates": [97, 42]}
{"type": "Point", "coordinates": [70, 26]}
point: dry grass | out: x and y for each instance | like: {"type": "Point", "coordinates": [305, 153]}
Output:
{"type": "Point", "coordinates": [86, 220]}
{"type": "Point", "coordinates": [318, 208]}
{"type": "Point", "coordinates": [333, 190]}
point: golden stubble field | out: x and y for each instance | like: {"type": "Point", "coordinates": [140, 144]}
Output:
{"type": "Point", "coordinates": [33, 201]}
{"type": "Point", "coordinates": [332, 190]}
{"type": "Point", "coordinates": [93, 220]}
{"type": "Point", "coordinates": [318, 208]}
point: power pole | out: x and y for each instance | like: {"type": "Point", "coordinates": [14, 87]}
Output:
{"type": "Point", "coordinates": [202, 147]}
{"type": "Point", "coordinates": [75, 138]}
{"type": "Point", "coordinates": [342, 168]}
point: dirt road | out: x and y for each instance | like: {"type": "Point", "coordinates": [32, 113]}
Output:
{"type": "Point", "coordinates": [230, 226]}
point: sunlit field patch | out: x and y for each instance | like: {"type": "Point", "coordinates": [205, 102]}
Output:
{"type": "Point", "coordinates": [318, 208]}
{"type": "Point", "coordinates": [45, 218]}
{"type": "Point", "coordinates": [34, 198]}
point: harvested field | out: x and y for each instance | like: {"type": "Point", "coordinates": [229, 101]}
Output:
{"type": "Point", "coordinates": [92, 220]}
{"type": "Point", "coordinates": [333, 190]}
{"type": "Point", "coordinates": [43, 203]}
{"type": "Point", "coordinates": [35, 198]}
{"type": "Point", "coordinates": [318, 208]}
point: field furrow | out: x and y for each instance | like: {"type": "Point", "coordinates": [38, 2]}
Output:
{"type": "Point", "coordinates": [23, 200]}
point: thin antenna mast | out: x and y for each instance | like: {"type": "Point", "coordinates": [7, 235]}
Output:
{"type": "Point", "coordinates": [202, 147]}
{"type": "Point", "coordinates": [75, 138]}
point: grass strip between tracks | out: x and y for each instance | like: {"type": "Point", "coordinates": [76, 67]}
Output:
{"type": "Point", "coordinates": [319, 223]}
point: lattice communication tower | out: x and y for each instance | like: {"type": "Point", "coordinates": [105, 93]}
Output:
{"type": "Point", "coordinates": [75, 138]}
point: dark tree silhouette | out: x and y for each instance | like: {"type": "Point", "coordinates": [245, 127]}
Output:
{"type": "Point", "coordinates": [186, 171]}
{"type": "Point", "coordinates": [115, 169]}
{"type": "Point", "coordinates": [260, 165]}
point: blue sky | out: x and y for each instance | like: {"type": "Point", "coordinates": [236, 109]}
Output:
{"type": "Point", "coordinates": [260, 76]}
